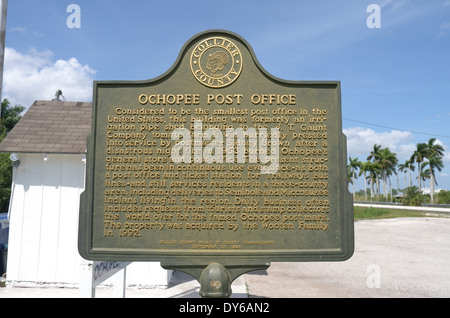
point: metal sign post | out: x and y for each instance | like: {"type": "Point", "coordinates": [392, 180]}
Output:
{"type": "Point", "coordinates": [4, 10]}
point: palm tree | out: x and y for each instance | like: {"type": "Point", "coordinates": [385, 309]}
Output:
{"type": "Point", "coordinates": [418, 156]}
{"type": "Point", "coordinates": [387, 161]}
{"type": "Point", "coordinates": [433, 148]}
{"type": "Point", "coordinates": [374, 156]}
{"type": "Point", "coordinates": [435, 162]}
{"type": "Point", "coordinates": [375, 153]}
{"type": "Point", "coordinates": [434, 155]}
{"type": "Point", "coordinates": [390, 172]}
{"type": "Point", "coordinates": [374, 171]}
{"type": "Point", "coordinates": [354, 164]}
{"type": "Point", "coordinates": [403, 167]}
{"type": "Point", "coordinates": [424, 173]}
{"type": "Point", "coordinates": [364, 168]}
{"type": "Point", "coordinates": [406, 167]}
{"type": "Point", "coordinates": [410, 168]}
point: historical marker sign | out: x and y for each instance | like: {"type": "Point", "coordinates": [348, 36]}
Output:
{"type": "Point", "coordinates": [216, 160]}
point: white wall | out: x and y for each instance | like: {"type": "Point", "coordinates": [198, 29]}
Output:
{"type": "Point", "coordinates": [44, 224]}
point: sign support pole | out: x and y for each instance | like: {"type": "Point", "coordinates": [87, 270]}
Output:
{"type": "Point", "coordinates": [3, 14]}
{"type": "Point", "coordinates": [215, 279]}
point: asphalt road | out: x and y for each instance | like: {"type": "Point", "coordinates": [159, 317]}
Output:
{"type": "Point", "coordinates": [404, 257]}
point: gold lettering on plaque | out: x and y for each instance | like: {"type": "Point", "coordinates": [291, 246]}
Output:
{"type": "Point", "coordinates": [146, 192]}
{"type": "Point", "coordinates": [216, 62]}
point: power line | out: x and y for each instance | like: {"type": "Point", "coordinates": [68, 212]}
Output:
{"type": "Point", "coordinates": [411, 131]}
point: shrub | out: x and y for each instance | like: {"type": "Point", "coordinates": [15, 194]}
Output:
{"type": "Point", "coordinates": [444, 197]}
{"type": "Point", "coordinates": [414, 197]}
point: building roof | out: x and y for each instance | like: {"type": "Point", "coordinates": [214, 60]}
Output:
{"type": "Point", "coordinates": [51, 127]}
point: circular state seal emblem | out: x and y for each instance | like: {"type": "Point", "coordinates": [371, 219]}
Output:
{"type": "Point", "coordinates": [216, 62]}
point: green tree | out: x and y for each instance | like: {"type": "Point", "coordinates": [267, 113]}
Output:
{"type": "Point", "coordinates": [374, 156]}
{"type": "Point", "coordinates": [424, 173]}
{"type": "Point", "coordinates": [5, 181]}
{"type": "Point", "coordinates": [435, 162]}
{"type": "Point", "coordinates": [406, 168]}
{"type": "Point", "coordinates": [413, 196]}
{"type": "Point", "coordinates": [374, 171]}
{"type": "Point", "coordinates": [375, 153]}
{"type": "Point", "coordinates": [354, 164]}
{"type": "Point", "coordinates": [418, 156]}
{"type": "Point", "coordinates": [364, 168]}
{"type": "Point", "coordinates": [410, 168]}
{"type": "Point", "coordinates": [403, 167]}
{"type": "Point", "coordinates": [435, 153]}
{"type": "Point", "coordinates": [10, 115]}
{"type": "Point", "coordinates": [444, 197]}
{"type": "Point", "coordinates": [434, 149]}
{"type": "Point", "coordinates": [387, 161]}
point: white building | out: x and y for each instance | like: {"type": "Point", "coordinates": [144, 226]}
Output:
{"type": "Point", "coordinates": [50, 141]}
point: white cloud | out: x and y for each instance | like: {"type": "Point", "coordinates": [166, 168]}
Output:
{"type": "Point", "coordinates": [36, 76]}
{"type": "Point", "coordinates": [360, 142]}
{"type": "Point", "coordinates": [446, 158]}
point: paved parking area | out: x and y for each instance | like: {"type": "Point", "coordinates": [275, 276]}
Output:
{"type": "Point", "coordinates": [403, 257]}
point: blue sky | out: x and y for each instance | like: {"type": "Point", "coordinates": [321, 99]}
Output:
{"type": "Point", "coordinates": [395, 79]}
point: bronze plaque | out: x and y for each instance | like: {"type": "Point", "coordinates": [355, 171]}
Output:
{"type": "Point", "coordinates": [216, 160]}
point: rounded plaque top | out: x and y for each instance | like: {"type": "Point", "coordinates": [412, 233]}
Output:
{"type": "Point", "coordinates": [216, 62]}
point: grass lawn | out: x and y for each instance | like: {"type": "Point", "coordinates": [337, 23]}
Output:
{"type": "Point", "coordinates": [368, 213]}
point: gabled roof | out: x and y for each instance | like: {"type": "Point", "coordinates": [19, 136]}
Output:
{"type": "Point", "coordinates": [51, 127]}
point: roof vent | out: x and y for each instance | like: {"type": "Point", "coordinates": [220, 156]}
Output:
{"type": "Point", "coordinates": [59, 94]}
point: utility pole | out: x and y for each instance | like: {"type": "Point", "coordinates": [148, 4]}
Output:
{"type": "Point", "coordinates": [4, 9]}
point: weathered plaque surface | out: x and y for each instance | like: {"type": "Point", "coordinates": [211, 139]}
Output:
{"type": "Point", "coordinates": [216, 160]}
